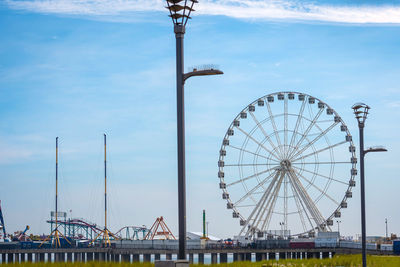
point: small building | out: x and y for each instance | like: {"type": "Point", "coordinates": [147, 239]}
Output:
{"type": "Point", "coordinates": [199, 235]}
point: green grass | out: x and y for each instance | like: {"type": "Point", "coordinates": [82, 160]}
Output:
{"type": "Point", "coordinates": [342, 260]}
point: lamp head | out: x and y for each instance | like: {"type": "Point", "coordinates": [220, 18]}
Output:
{"type": "Point", "coordinates": [180, 12]}
{"type": "Point", "coordinates": [361, 112]}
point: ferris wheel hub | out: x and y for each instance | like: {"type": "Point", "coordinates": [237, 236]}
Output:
{"type": "Point", "coordinates": [285, 165]}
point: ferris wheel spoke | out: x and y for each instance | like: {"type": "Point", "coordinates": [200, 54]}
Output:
{"type": "Point", "coordinates": [300, 209]}
{"type": "Point", "coordinates": [328, 162]}
{"type": "Point", "coordinates": [264, 207]}
{"type": "Point", "coordinates": [321, 175]}
{"type": "Point", "coordinates": [299, 117]}
{"type": "Point", "coordinates": [319, 151]}
{"type": "Point", "coordinates": [249, 177]}
{"type": "Point", "coordinates": [285, 133]}
{"type": "Point", "coordinates": [257, 142]}
{"type": "Point", "coordinates": [315, 213]}
{"type": "Point", "coordinates": [275, 129]}
{"type": "Point", "coordinates": [316, 187]}
{"type": "Point", "coordinates": [270, 207]}
{"type": "Point", "coordinates": [254, 189]}
{"type": "Point", "coordinates": [245, 206]}
{"type": "Point", "coordinates": [296, 191]}
{"type": "Point", "coordinates": [256, 154]}
{"type": "Point", "coordinates": [251, 164]}
{"type": "Point", "coordinates": [263, 131]}
{"type": "Point", "coordinates": [315, 140]}
{"type": "Point", "coordinates": [304, 135]}
{"type": "Point", "coordinates": [285, 202]}
{"type": "Point", "coordinates": [323, 121]}
{"type": "Point", "coordinates": [259, 203]}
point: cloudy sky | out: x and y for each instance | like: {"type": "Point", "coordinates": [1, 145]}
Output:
{"type": "Point", "coordinates": [79, 68]}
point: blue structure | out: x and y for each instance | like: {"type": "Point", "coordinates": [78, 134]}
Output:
{"type": "Point", "coordinates": [76, 228]}
{"type": "Point", "coordinates": [396, 247]}
{"type": "Point", "coordinates": [2, 222]}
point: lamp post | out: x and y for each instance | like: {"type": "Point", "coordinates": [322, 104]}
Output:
{"type": "Point", "coordinates": [386, 230]}
{"type": "Point", "coordinates": [282, 224]}
{"type": "Point", "coordinates": [361, 112]}
{"type": "Point", "coordinates": [180, 11]}
{"type": "Point", "coordinates": [338, 226]}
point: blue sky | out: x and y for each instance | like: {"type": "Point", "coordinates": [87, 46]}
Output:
{"type": "Point", "coordinates": [77, 69]}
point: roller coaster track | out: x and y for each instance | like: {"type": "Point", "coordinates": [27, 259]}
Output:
{"type": "Point", "coordinates": [79, 223]}
{"type": "Point", "coordinates": [135, 230]}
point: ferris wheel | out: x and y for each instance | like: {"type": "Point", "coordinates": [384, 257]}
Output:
{"type": "Point", "coordinates": [287, 166]}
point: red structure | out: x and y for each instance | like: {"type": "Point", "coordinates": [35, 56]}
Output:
{"type": "Point", "coordinates": [155, 234]}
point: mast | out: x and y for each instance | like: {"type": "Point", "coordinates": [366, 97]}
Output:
{"type": "Point", "coordinates": [55, 233]}
{"type": "Point", "coordinates": [56, 189]}
{"type": "Point", "coordinates": [106, 233]}
{"type": "Point", "coordinates": [105, 181]}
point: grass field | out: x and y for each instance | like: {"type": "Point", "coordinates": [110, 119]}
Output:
{"type": "Point", "coordinates": [342, 260]}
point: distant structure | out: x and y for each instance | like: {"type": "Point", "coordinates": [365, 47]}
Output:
{"type": "Point", "coordinates": [21, 235]}
{"type": "Point", "coordinates": [205, 236]}
{"type": "Point", "coordinates": [165, 232]}
{"type": "Point", "coordinates": [199, 235]}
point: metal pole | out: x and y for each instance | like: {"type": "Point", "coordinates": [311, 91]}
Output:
{"type": "Point", "coordinates": [179, 34]}
{"type": "Point", "coordinates": [204, 224]}
{"type": "Point", "coordinates": [105, 181]}
{"type": "Point", "coordinates": [56, 233]}
{"type": "Point", "coordinates": [386, 229]}
{"type": "Point", "coordinates": [362, 184]}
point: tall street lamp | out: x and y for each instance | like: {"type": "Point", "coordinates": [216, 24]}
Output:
{"type": "Point", "coordinates": [361, 112]}
{"type": "Point", "coordinates": [386, 230]}
{"type": "Point", "coordinates": [180, 11]}
{"type": "Point", "coordinates": [338, 227]}
{"type": "Point", "coordinates": [282, 231]}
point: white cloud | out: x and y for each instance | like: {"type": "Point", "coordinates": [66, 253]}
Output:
{"type": "Point", "coordinates": [243, 9]}
{"type": "Point", "coordinates": [394, 104]}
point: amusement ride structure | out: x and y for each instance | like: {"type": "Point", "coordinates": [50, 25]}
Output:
{"type": "Point", "coordinates": [77, 228]}
{"type": "Point", "coordinates": [2, 226]}
{"type": "Point", "coordinates": [165, 232]}
{"type": "Point", "coordinates": [55, 234]}
{"type": "Point", "coordinates": [287, 162]}
{"type": "Point", "coordinates": [105, 232]}
{"type": "Point", "coordinates": [132, 232]}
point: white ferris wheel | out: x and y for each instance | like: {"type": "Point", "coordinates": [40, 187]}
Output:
{"type": "Point", "coordinates": [287, 166]}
